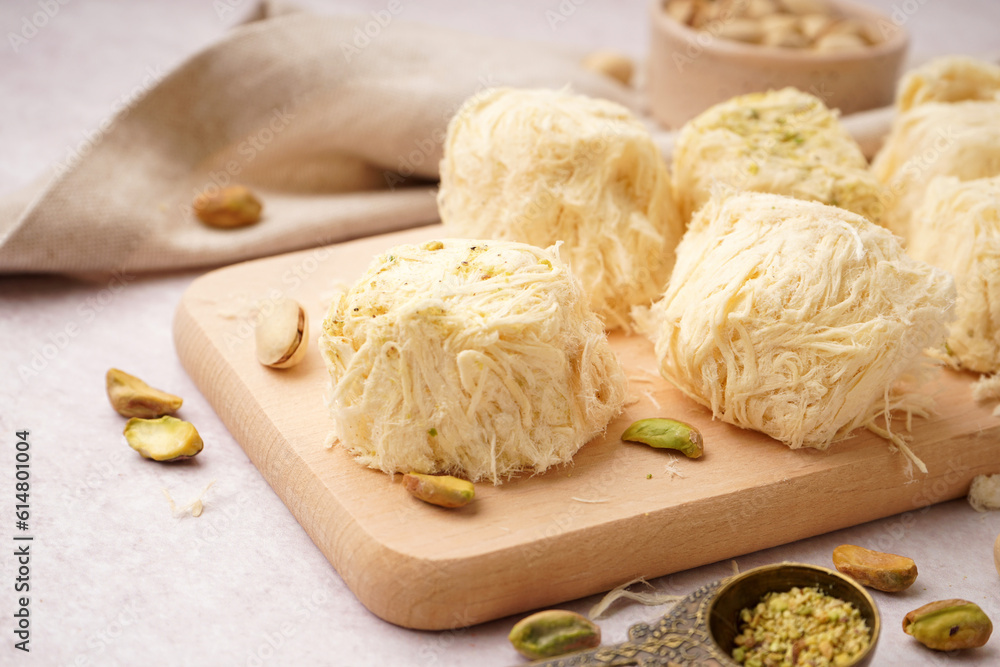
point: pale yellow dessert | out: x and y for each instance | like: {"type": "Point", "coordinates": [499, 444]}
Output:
{"type": "Point", "coordinates": [957, 228]}
{"type": "Point", "coordinates": [468, 357]}
{"type": "Point", "coordinates": [797, 319]}
{"type": "Point", "coordinates": [544, 166]}
{"type": "Point", "coordinates": [784, 142]}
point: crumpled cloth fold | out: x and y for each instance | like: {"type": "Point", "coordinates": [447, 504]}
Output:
{"type": "Point", "coordinates": [336, 123]}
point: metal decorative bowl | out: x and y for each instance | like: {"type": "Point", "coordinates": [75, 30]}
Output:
{"type": "Point", "coordinates": [746, 590]}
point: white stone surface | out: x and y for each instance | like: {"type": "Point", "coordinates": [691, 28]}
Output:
{"type": "Point", "coordinates": [115, 578]}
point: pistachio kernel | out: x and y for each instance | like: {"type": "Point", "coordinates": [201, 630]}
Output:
{"type": "Point", "coordinates": [666, 434]}
{"type": "Point", "coordinates": [163, 439]}
{"type": "Point", "coordinates": [131, 397]}
{"type": "Point", "coordinates": [881, 571]}
{"type": "Point", "coordinates": [442, 490]}
{"type": "Point", "coordinates": [947, 625]}
{"type": "Point", "coordinates": [553, 632]}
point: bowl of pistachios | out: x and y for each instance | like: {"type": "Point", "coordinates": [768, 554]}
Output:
{"type": "Point", "coordinates": [794, 613]}
{"type": "Point", "coordinates": [703, 52]}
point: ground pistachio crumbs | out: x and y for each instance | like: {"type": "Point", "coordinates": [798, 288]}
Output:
{"type": "Point", "coordinates": [803, 626]}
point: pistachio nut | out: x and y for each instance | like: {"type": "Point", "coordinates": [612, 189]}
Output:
{"type": "Point", "coordinates": [756, 9]}
{"type": "Point", "coordinates": [681, 11]}
{"type": "Point", "coordinates": [612, 64]}
{"type": "Point", "coordinates": [282, 334]}
{"type": "Point", "coordinates": [814, 25]}
{"type": "Point", "coordinates": [666, 434]}
{"type": "Point", "coordinates": [131, 397]}
{"type": "Point", "coordinates": [741, 30]}
{"type": "Point", "coordinates": [546, 634]}
{"type": "Point", "coordinates": [443, 490]}
{"type": "Point", "coordinates": [836, 42]}
{"type": "Point", "coordinates": [947, 625]}
{"type": "Point", "coordinates": [788, 38]}
{"type": "Point", "coordinates": [881, 571]}
{"type": "Point", "coordinates": [799, 24]}
{"type": "Point", "coordinates": [227, 208]}
{"type": "Point", "coordinates": [163, 439]}
{"type": "Point", "coordinates": [806, 6]}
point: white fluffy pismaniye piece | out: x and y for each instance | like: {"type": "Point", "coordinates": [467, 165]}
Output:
{"type": "Point", "coordinates": [948, 79]}
{"type": "Point", "coordinates": [541, 166]}
{"type": "Point", "coordinates": [957, 228]}
{"type": "Point", "coordinates": [947, 124]}
{"type": "Point", "coordinates": [783, 142]}
{"type": "Point", "coordinates": [475, 358]}
{"type": "Point", "coordinates": [797, 319]}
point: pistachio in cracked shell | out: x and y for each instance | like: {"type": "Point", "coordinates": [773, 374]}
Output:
{"type": "Point", "coordinates": [282, 334]}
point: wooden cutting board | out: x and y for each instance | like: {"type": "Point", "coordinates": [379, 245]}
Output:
{"type": "Point", "coordinates": [615, 513]}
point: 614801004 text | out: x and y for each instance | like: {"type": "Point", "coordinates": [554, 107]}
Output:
{"type": "Point", "coordinates": [22, 541]}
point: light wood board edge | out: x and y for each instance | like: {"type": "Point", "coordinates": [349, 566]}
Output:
{"type": "Point", "coordinates": [443, 592]}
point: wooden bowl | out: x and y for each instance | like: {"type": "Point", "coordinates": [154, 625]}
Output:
{"type": "Point", "coordinates": [691, 70]}
{"type": "Point", "coordinates": [746, 589]}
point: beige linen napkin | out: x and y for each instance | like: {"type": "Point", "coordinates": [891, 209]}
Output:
{"type": "Point", "coordinates": [336, 123]}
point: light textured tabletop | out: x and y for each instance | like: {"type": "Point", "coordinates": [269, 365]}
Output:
{"type": "Point", "coordinates": [115, 578]}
